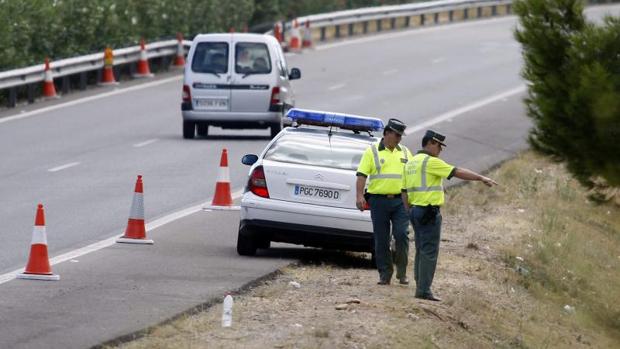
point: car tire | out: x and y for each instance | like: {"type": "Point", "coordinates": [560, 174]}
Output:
{"type": "Point", "coordinates": [189, 129]}
{"type": "Point", "coordinates": [246, 242]}
{"type": "Point", "coordinates": [276, 128]}
{"type": "Point", "coordinates": [203, 129]}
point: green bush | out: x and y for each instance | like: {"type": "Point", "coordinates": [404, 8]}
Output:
{"type": "Point", "coordinates": [31, 30]}
{"type": "Point", "coordinates": [573, 75]}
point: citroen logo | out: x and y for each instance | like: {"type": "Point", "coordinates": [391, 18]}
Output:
{"type": "Point", "coordinates": [319, 177]}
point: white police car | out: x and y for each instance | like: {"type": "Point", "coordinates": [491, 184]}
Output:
{"type": "Point", "coordinates": [301, 188]}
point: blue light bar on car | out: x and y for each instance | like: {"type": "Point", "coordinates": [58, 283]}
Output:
{"type": "Point", "coordinates": [345, 121]}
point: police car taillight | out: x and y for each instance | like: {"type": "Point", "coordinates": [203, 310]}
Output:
{"type": "Point", "coordinates": [257, 183]}
{"type": "Point", "coordinates": [187, 96]}
{"type": "Point", "coordinates": [275, 95]}
{"type": "Point", "coordinates": [345, 121]}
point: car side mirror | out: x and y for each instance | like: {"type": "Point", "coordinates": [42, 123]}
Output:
{"type": "Point", "coordinates": [249, 159]}
{"type": "Point", "coordinates": [295, 74]}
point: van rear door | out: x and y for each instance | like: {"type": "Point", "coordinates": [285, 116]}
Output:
{"type": "Point", "coordinates": [251, 77]}
{"type": "Point", "coordinates": [211, 65]}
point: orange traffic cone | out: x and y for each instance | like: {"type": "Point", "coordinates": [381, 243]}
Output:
{"type": "Point", "coordinates": [295, 41]}
{"type": "Point", "coordinates": [108, 68]}
{"type": "Point", "coordinates": [143, 70]}
{"type": "Point", "coordinates": [38, 267]}
{"type": "Point", "coordinates": [136, 231]}
{"type": "Point", "coordinates": [277, 31]}
{"type": "Point", "coordinates": [307, 40]}
{"type": "Point", "coordinates": [49, 90]}
{"type": "Point", "coordinates": [222, 200]}
{"type": "Point", "coordinates": [179, 61]}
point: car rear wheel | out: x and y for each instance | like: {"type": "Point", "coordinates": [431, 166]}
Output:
{"type": "Point", "coordinates": [203, 129]}
{"type": "Point", "coordinates": [189, 129]}
{"type": "Point", "coordinates": [246, 242]}
{"type": "Point", "coordinates": [276, 128]}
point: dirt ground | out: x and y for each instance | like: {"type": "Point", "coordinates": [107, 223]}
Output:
{"type": "Point", "coordinates": [331, 299]}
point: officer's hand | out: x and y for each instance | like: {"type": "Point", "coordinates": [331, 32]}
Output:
{"type": "Point", "coordinates": [488, 181]}
{"type": "Point", "coordinates": [360, 203]}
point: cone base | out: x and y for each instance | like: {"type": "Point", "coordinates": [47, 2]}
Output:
{"type": "Point", "coordinates": [53, 277]}
{"type": "Point", "coordinates": [113, 83]}
{"type": "Point", "coordinates": [124, 240]}
{"type": "Point", "coordinates": [221, 208]}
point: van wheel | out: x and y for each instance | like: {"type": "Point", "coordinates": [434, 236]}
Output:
{"type": "Point", "coordinates": [276, 128]}
{"type": "Point", "coordinates": [246, 242]}
{"type": "Point", "coordinates": [203, 129]}
{"type": "Point", "coordinates": [189, 129]}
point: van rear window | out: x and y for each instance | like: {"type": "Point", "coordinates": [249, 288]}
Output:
{"type": "Point", "coordinates": [252, 58]}
{"type": "Point", "coordinates": [211, 57]}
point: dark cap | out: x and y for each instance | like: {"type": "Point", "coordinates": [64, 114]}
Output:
{"type": "Point", "coordinates": [396, 126]}
{"type": "Point", "coordinates": [439, 138]}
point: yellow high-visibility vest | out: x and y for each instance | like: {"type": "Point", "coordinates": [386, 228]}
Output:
{"type": "Point", "coordinates": [384, 168]}
{"type": "Point", "coordinates": [423, 179]}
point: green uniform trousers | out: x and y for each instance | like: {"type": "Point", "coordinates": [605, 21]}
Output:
{"type": "Point", "coordinates": [389, 213]}
{"type": "Point", "coordinates": [427, 237]}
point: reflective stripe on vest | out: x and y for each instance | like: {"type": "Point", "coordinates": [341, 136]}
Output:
{"type": "Point", "coordinates": [375, 154]}
{"type": "Point", "coordinates": [423, 186]}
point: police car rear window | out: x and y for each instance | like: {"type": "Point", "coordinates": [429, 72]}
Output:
{"type": "Point", "coordinates": [211, 57]}
{"type": "Point", "coordinates": [318, 150]}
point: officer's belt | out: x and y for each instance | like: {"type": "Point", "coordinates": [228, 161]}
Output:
{"type": "Point", "coordinates": [388, 196]}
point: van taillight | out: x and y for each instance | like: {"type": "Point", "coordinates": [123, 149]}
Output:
{"type": "Point", "coordinates": [187, 96]}
{"type": "Point", "coordinates": [275, 95]}
{"type": "Point", "coordinates": [257, 183]}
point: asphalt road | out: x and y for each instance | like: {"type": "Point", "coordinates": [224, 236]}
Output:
{"type": "Point", "coordinates": [81, 162]}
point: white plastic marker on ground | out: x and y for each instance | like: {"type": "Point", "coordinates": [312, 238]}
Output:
{"type": "Point", "coordinates": [112, 240]}
{"type": "Point", "coordinates": [62, 167]}
{"type": "Point", "coordinates": [88, 99]}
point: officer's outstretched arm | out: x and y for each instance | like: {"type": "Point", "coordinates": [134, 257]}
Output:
{"type": "Point", "coordinates": [360, 184]}
{"type": "Point", "coordinates": [470, 175]}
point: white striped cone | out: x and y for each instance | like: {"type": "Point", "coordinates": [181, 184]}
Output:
{"type": "Point", "coordinates": [143, 70]}
{"type": "Point", "coordinates": [295, 41]}
{"type": "Point", "coordinates": [38, 267]}
{"type": "Point", "coordinates": [222, 199]}
{"type": "Point", "coordinates": [136, 230]}
{"type": "Point", "coordinates": [49, 90]}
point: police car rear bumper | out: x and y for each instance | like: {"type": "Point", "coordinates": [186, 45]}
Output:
{"type": "Point", "coordinates": [307, 224]}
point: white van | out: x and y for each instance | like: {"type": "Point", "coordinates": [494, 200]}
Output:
{"type": "Point", "coordinates": [236, 80]}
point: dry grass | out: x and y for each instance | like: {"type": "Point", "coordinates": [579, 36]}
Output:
{"type": "Point", "coordinates": [511, 259]}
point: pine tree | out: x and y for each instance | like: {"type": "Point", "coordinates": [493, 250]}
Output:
{"type": "Point", "coordinates": [573, 76]}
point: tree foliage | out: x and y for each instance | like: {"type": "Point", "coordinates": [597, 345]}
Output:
{"type": "Point", "coordinates": [573, 75]}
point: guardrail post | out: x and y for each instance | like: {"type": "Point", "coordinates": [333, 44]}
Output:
{"type": "Point", "coordinates": [422, 19]}
{"type": "Point", "coordinates": [508, 9]}
{"type": "Point", "coordinates": [65, 84]}
{"type": "Point", "coordinates": [365, 27]}
{"type": "Point", "coordinates": [351, 29]}
{"type": "Point", "coordinates": [337, 31]}
{"type": "Point", "coordinates": [379, 25]}
{"type": "Point", "coordinates": [494, 10]}
{"type": "Point", "coordinates": [30, 93]}
{"type": "Point", "coordinates": [393, 23]}
{"type": "Point", "coordinates": [466, 13]}
{"type": "Point", "coordinates": [322, 34]}
{"type": "Point", "coordinates": [83, 80]}
{"type": "Point", "coordinates": [407, 21]}
{"type": "Point", "coordinates": [450, 15]}
{"type": "Point", "coordinates": [436, 19]}
{"type": "Point", "coordinates": [479, 12]}
{"type": "Point", "coordinates": [12, 101]}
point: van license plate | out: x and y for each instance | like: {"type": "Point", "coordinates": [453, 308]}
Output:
{"type": "Point", "coordinates": [316, 193]}
{"type": "Point", "coordinates": [211, 103]}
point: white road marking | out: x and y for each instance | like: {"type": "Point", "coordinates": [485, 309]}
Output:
{"type": "Point", "coordinates": [23, 115]}
{"type": "Point", "coordinates": [71, 255]}
{"type": "Point", "coordinates": [138, 145]}
{"type": "Point", "coordinates": [412, 31]}
{"type": "Point", "coordinates": [336, 87]}
{"type": "Point", "coordinates": [460, 111]}
{"type": "Point", "coordinates": [62, 167]}
{"type": "Point", "coordinates": [390, 72]}
{"type": "Point", "coordinates": [438, 60]}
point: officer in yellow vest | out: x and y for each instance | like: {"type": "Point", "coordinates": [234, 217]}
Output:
{"type": "Point", "coordinates": [383, 164]}
{"type": "Point", "coordinates": [422, 184]}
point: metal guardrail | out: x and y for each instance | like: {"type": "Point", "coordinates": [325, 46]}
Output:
{"type": "Point", "coordinates": [324, 27]}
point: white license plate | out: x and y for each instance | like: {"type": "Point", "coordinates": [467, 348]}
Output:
{"type": "Point", "coordinates": [211, 103]}
{"type": "Point", "coordinates": [316, 193]}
